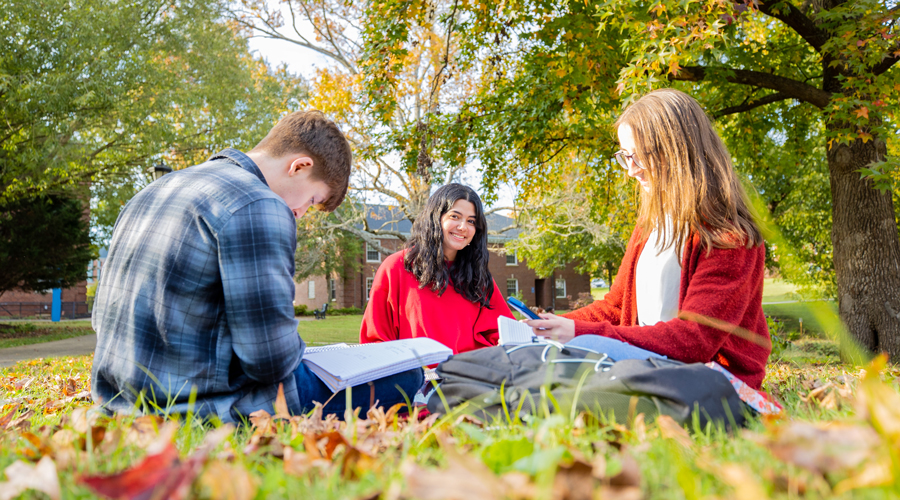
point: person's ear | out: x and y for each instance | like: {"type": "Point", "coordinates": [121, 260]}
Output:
{"type": "Point", "coordinates": [300, 164]}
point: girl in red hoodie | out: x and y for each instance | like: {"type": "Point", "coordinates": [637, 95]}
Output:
{"type": "Point", "coordinates": [439, 286]}
{"type": "Point", "coordinates": [690, 284]}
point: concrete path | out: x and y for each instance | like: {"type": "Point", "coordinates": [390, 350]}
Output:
{"type": "Point", "coordinates": [74, 346]}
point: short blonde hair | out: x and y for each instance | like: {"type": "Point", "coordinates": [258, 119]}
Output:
{"type": "Point", "coordinates": [692, 180]}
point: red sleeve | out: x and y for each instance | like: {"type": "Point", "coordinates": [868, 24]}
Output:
{"type": "Point", "coordinates": [723, 298]}
{"type": "Point", "coordinates": [486, 326]}
{"type": "Point", "coordinates": [379, 324]}
{"type": "Point", "coordinates": [609, 308]}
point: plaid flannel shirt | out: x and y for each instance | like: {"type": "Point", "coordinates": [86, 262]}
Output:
{"type": "Point", "coordinates": [196, 295]}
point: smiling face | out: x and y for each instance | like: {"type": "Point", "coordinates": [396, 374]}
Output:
{"type": "Point", "coordinates": [626, 142]}
{"type": "Point", "coordinates": [458, 227]}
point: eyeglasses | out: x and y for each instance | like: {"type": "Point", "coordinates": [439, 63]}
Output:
{"type": "Point", "coordinates": [622, 157]}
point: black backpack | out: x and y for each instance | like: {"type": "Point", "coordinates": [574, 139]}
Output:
{"type": "Point", "coordinates": [486, 378]}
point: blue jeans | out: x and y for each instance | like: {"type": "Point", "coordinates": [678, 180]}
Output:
{"type": "Point", "coordinates": [388, 391]}
{"type": "Point", "coordinates": [615, 349]}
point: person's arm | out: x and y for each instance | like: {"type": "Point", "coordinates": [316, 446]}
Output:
{"type": "Point", "coordinates": [379, 323]}
{"type": "Point", "coordinates": [725, 286]}
{"type": "Point", "coordinates": [256, 262]}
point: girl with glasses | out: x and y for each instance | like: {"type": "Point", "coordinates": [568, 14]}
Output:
{"type": "Point", "coordinates": [690, 284]}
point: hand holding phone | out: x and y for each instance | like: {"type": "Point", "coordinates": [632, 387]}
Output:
{"type": "Point", "coordinates": [518, 305]}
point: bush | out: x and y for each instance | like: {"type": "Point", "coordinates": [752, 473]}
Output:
{"type": "Point", "coordinates": [301, 310]}
{"type": "Point", "coordinates": [346, 311]}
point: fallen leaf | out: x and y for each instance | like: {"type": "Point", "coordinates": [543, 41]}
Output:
{"type": "Point", "coordinates": [323, 446]}
{"type": "Point", "coordinates": [464, 478]}
{"type": "Point", "coordinates": [6, 419]}
{"type": "Point", "coordinates": [745, 485]}
{"type": "Point", "coordinates": [669, 429]}
{"type": "Point", "coordinates": [144, 430]}
{"type": "Point", "coordinates": [23, 476]}
{"type": "Point", "coordinates": [820, 447]}
{"type": "Point", "coordinates": [281, 408]}
{"type": "Point", "coordinates": [69, 387]}
{"type": "Point", "coordinates": [35, 447]}
{"type": "Point", "coordinates": [297, 463]}
{"type": "Point", "coordinates": [879, 403]}
{"type": "Point", "coordinates": [161, 474]}
{"type": "Point", "coordinates": [875, 473]}
{"type": "Point", "coordinates": [223, 481]}
{"type": "Point", "coordinates": [574, 482]}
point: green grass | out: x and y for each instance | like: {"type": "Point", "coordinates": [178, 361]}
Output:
{"type": "Point", "coordinates": [331, 330]}
{"type": "Point", "coordinates": [710, 463]}
{"type": "Point", "coordinates": [18, 333]}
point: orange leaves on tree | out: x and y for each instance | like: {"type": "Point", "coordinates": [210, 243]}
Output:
{"type": "Point", "coordinates": [862, 112]}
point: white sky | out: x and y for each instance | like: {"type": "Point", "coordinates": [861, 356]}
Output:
{"type": "Point", "coordinates": [304, 62]}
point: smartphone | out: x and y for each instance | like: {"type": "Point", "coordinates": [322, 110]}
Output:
{"type": "Point", "coordinates": [518, 305]}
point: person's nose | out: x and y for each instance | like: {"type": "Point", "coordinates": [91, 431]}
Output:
{"type": "Point", "coordinates": [633, 168]}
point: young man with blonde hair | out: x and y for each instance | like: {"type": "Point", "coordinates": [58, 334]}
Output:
{"type": "Point", "coordinates": [196, 293]}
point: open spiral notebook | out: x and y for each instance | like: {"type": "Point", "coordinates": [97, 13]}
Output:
{"type": "Point", "coordinates": [341, 365]}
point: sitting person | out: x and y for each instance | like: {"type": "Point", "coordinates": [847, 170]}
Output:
{"type": "Point", "coordinates": [439, 286]}
{"type": "Point", "coordinates": [195, 297]}
{"type": "Point", "coordinates": [690, 284]}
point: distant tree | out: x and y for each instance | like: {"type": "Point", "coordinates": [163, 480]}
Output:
{"type": "Point", "coordinates": [44, 243]}
{"type": "Point", "coordinates": [397, 160]}
{"type": "Point", "coordinates": [94, 92]}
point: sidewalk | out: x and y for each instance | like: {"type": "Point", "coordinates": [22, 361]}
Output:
{"type": "Point", "coordinates": [74, 346]}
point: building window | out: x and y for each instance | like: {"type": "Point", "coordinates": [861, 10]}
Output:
{"type": "Point", "coordinates": [369, 283]}
{"type": "Point", "coordinates": [560, 288]}
{"type": "Point", "coordinates": [372, 255]}
{"type": "Point", "coordinates": [332, 289]}
{"type": "Point", "coordinates": [512, 287]}
{"type": "Point", "coordinates": [311, 287]}
{"type": "Point", "coordinates": [512, 259]}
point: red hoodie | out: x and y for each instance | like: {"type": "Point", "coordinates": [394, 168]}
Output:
{"type": "Point", "coordinates": [399, 309]}
{"type": "Point", "coordinates": [720, 310]}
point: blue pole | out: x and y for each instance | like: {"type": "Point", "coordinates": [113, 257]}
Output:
{"type": "Point", "coordinates": [56, 310]}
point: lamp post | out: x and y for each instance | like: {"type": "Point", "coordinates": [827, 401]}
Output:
{"type": "Point", "coordinates": [158, 170]}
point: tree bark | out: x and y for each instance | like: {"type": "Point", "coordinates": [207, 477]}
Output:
{"type": "Point", "coordinates": [866, 248]}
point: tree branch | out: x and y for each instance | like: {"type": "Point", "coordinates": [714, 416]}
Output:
{"type": "Point", "coordinates": [796, 20]}
{"type": "Point", "coordinates": [497, 209]}
{"type": "Point", "coordinates": [787, 86]}
{"type": "Point", "coordinates": [747, 106]}
{"type": "Point", "coordinates": [887, 62]}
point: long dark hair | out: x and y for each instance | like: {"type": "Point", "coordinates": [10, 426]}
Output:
{"type": "Point", "coordinates": [424, 258]}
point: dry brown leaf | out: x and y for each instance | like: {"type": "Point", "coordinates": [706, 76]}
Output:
{"type": "Point", "coordinates": [875, 473]}
{"type": "Point", "coordinates": [223, 481]}
{"type": "Point", "coordinates": [820, 447]}
{"type": "Point", "coordinates": [574, 482]}
{"type": "Point", "coordinates": [69, 387]}
{"type": "Point", "coordinates": [144, 430]}
{"type": "Point", "coordinates": [879, 403]}
{"type": "Point", "coordinates": [34, 447]}
{"type": "Point", "coordinates": [281, 407]}
{"type": "Point", "coordinates": [629, 476]}
{"type": "Point", "coordinates": [639, 427]}
{"type": "Point", "coordinates": [518, 485]}
{"type": "Point", "coordinates": [23, 476]}
{"type": "Point", "coordinates": [746, 486]}
{"type": "Point", "coordinates": [618, 493]}
{"type": "Point", "coordinates": [669, 429]}
{"type": "Point", "coordinates": [464, 478]}
{"type": "Point", "coordinates": [324, 446]}
{"type": "Point", "coordinates": [297, 463]}
{"type": "Point", "coordinates": [6, 419]}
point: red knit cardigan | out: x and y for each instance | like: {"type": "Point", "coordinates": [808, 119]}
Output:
{"type": "Point", "coordinates": [720, 310]}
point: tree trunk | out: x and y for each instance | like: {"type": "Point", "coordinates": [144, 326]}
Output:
{"type": "Point", "coordinates": [866, 249]}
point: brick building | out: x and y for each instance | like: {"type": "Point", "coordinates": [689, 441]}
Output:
{"type": "Point", "coordinates": [511, 273]}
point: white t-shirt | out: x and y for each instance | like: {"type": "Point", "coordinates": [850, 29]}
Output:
{"type": "Point", "coordinates": [657, 282]}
